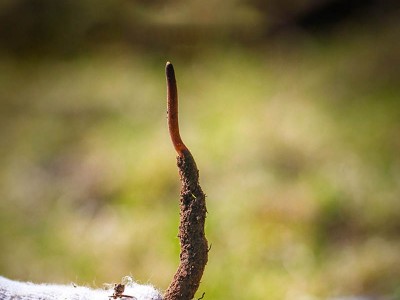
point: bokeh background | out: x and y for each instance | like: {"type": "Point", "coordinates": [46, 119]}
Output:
{"type": "Point", "coordinates": [291, 109]}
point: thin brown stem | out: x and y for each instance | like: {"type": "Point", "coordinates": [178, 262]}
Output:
{"type": "Point", "coordinates": [194, 248]}
{"type": "Point", "coordinates": [172, 106]}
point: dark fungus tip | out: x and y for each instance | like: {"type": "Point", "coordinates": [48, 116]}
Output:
{"type": "Point", "coordinates": [169, 70]}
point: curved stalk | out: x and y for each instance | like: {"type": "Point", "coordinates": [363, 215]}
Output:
{"type": "Point", "coordinates": [194, 247]}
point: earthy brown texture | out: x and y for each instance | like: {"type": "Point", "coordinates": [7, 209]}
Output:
{"type": "Point", "coordinates": [194, 248]}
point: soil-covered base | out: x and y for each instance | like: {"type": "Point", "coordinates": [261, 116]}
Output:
{"type": "Point", "coordinates": [194, 247]}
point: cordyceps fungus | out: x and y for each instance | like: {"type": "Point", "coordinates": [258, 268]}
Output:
{"type": "Point", "coordinates": [194, 248]}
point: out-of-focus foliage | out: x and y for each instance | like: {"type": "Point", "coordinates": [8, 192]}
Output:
{"type": "Point", "coordinates": [291, 109]}
{"type": "Point", "coordinates": [69, 27]}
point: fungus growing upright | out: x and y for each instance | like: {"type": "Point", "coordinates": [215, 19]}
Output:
{"type": "Point", "coordinates": [194, 247]}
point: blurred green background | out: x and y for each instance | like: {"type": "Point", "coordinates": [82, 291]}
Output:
{"type": "Point", "coordinates": [291, 109]}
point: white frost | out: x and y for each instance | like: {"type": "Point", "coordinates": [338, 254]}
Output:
{"type": "Point", "coordinates": [16, 290]}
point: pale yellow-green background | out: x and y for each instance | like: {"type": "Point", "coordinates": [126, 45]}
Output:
{"type": "Point", "coordinates": [296, 132]}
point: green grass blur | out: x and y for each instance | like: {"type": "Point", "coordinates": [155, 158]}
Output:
{"type": "Point", "coordinates": [297, 142]}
